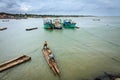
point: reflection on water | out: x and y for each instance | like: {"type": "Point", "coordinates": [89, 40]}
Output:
{"type": "Point", "coordinates": [82, 54]}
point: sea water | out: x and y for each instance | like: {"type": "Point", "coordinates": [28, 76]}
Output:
{"type": "Point", "coordinates": [81, 54]}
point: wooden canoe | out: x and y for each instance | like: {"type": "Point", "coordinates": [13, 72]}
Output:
{"type": "Point", "coordinates": [53, 65]}
{"type": "Point", "coordinates": [3, 28]}
{"type": "Point", "coordinates": [14, 62]}
{"type": "Point", "coordinates": [29, 29]}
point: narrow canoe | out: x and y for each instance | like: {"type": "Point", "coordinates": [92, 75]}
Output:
{"type": "Point", "coordinates": [29, 29]}
{"type": "Point", "coordinates": [14, 62]}
{"type": "Point", "coordinates": [3, 28]}
{"type": "Point", "coordinates": [53, 65]}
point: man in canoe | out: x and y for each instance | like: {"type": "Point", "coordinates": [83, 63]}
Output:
{"type": "Point", "coordinates": [45, 45]}
{"type": "Point", "coordinates": [51, 57]}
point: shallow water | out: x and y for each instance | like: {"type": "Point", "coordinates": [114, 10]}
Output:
{"type": "Point", "coordinates": [82, 54]}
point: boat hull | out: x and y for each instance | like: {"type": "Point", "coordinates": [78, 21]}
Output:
{"type": "Point", "coordinates": [51, 26]}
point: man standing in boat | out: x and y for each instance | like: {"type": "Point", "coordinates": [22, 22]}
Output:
{"type": "Point", "coordinates": [45, 45]}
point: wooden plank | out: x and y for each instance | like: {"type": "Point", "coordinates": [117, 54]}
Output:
{"type": "Point", "coordinates": [14, 62]}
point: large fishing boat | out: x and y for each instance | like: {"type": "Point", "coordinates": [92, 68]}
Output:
{"type": "Point", "coordinates": [57, 24]}
{"type": "Point", "coordinates": [68, 23]}
{"type": "Point", "coordinates": [48, 24]}
{"type": "Point", "coordinates": [52, 24]}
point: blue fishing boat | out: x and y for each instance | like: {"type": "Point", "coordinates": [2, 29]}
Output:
{"type": "Point", "coordinates": [68, 23]}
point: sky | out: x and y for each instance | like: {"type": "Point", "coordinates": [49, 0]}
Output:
{"type": "Point", "coordinates": [62, 7]}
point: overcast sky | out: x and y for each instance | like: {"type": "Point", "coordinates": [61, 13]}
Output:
{"type": "Point", "coordinates": [75, 7]}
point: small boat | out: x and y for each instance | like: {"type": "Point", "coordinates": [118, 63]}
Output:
{"type": "Point", "coordinates": [14, 62]}
{"type": "Point", "coordinates": [68, 23]}
{"type": "Point", "coordinates": [3, 28]}
{"type": "Point", "coordinates": [52, 64]}
{"type": "Point", "coordinates": [29, 29]}
{"type": "Point", "coordinates": [5, 20]}
{"type": "Point", "coordinates": [96, 19]}
{"type": "Point", "coordinates": [77, 27]}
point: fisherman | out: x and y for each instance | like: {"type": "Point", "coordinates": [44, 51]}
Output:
{"type": "Point", "coordinates": [51, 57]}
{"type": "Point", "coordinates": [45, 45]}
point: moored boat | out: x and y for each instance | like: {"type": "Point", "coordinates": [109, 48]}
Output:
{"type": "Point", "coordinates": [5, 20]}
{"type": "Point", "coordinates": [29, 29]}
{"type": "Point", "coordinates": [14, 62]}
{"type": "Point", "coordinates": [68, 23]}
{"type": "Point", "coordinates": [96, 19]}
{"type": "Point", "coordinates": [3, 28]}
{"type": "Point", "coordinates": [57, 24]}
{"type": "Point", "coordinates": [48, 24]}
{"type": "Point", "coordinates": [52, 63]}
{"type": "Point", "coordinates": [53, 24]}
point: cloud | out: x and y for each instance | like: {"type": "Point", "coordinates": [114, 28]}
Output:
{"type": "Point", "coordinates": [25, 8]}
{"type": "Point", "coordinates": [13, 6]}
{"type": "Point", "coordinates": [92, 7]}
{"type": "Point", "coordinates": [6, 5]}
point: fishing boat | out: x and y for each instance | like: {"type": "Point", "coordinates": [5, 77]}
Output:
{"type": "Point", "coordinates": [3, 28]}
{"type": "Point", "coordinates": [68, 23]}
{"type": "Point", "coordinates": [29, 29]}
{"type": "Point", "coordinates": [14, 62]}
{"type": "Point", "coordinates": [52, 64]}
{"type": "Point", "coordinates": [48, 24]}
{"type": "Point", "coordinates": [53, 24]}
{"type": "Point", "coordinates": [57, 24]}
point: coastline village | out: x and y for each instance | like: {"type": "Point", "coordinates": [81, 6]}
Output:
{"type": "Point", "coordinates": [25, 16]}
